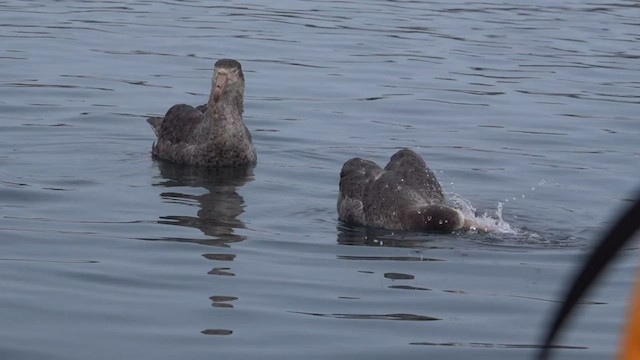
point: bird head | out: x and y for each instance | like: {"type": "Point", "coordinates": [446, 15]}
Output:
{"type": "Point", "coordinates": [228, 80]}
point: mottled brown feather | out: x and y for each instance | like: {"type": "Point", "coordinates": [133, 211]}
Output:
{"type": "Point", "coordinates": [405, 195]}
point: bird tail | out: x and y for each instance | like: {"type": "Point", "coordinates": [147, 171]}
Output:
{"type": "Point", "coordinates": [155, 123]}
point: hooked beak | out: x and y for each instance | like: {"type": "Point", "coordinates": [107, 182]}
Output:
{"type": "Point", "coordinates": [221, 83]}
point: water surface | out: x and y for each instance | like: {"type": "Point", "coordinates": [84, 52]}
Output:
{"type": "Point", "coordinates": [107, 253]}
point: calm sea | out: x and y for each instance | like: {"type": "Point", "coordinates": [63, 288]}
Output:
{"type": "Point", "coordinates": [527, 111]}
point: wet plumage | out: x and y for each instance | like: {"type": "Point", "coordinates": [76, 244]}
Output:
{"type": "Point", "coordinates": [211, 135]}
{"type": "Point", "coordinates": [405, 195]}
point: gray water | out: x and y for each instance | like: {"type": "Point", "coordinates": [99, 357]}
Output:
{"type": "Point", "coordinates": [531, 107]}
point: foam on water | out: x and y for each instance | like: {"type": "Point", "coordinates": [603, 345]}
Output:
{"type": "Point", "coordinates": [494, 223]}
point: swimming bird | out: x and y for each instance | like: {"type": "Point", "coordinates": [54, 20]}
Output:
{"type": "Point", "coordinates": [211, 135]}
{"type": "Point", "coordinates": [405, 195]}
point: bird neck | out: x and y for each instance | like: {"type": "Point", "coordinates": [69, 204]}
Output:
{"type": "Point", "coordinates": [230, 107]}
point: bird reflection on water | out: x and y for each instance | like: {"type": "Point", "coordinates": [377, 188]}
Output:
{"type": "Point", "coordinates": [218, 215]}
{"type": "Point", "coordinates": [219, 207]}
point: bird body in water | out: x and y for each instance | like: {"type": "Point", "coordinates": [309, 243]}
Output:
{"type": "Point", "coordinates": [211, 135]}
{"type": "Point", "coordinates": [405, 195]}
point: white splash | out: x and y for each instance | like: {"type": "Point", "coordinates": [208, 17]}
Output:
{"type": "Point", "coordinates": [491, 222]}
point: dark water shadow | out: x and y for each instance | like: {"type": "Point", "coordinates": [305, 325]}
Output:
{"type": "Point", "coordinates": [400, 317]}
{"type": "Point", "coordinates": [219, 207]}
{"type": "Point", "coordinates": [522, 239]}
{"type": "Point", "coordinates": [364, 236]}
{"type": "Point", "coordinates": [486, 345]}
